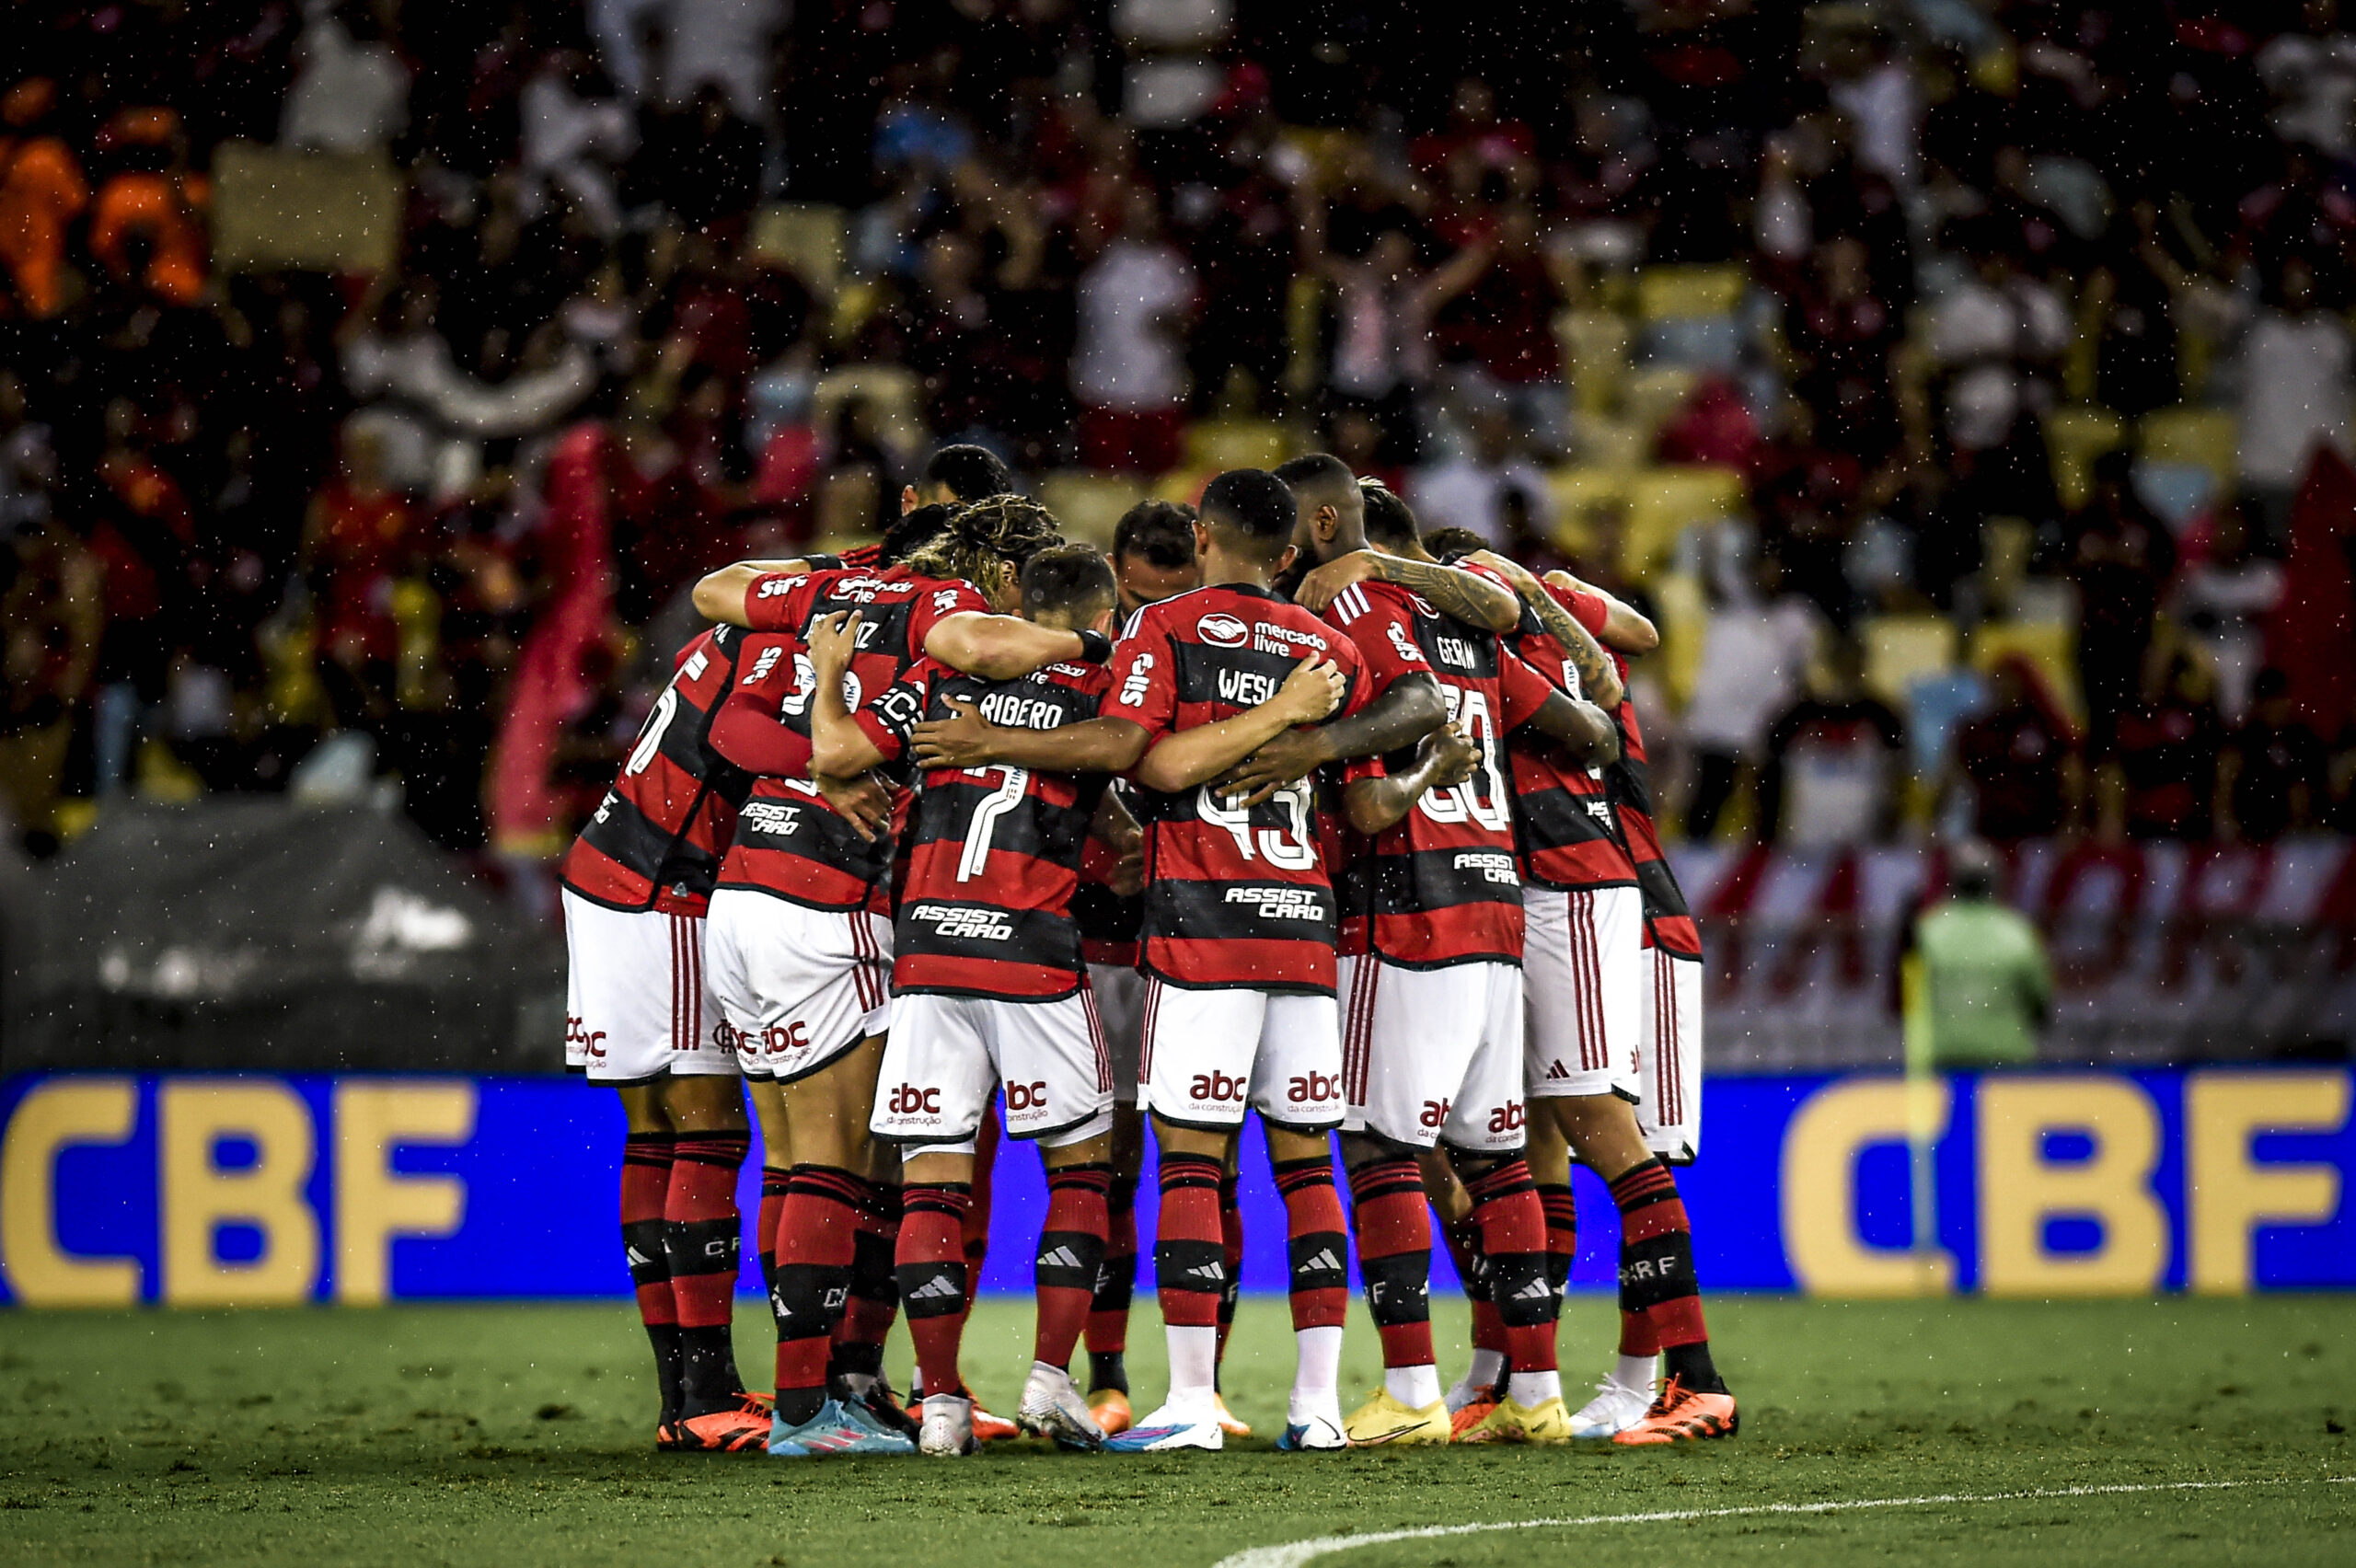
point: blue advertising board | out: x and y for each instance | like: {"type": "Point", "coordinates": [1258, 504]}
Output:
{"type": "Point", "coordinates": [253, 1189]}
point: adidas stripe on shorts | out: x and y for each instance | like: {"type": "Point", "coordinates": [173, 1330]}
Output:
{"type": "Point", "coordinates": [1669, 1106]}
{"type": "Point", "coordinates": [636, 1003]}
{"type": "Point", "coordinates": [1433, 1055]}
{"type": "Point", "coordinates": [798, 985]}
{"type": "Point", "coordinates": [1584, 974]}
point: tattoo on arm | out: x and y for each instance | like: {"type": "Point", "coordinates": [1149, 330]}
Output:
{"type": "Point", "coordinates": [1598, 677]}
{"type": "Point", "coordinates": [1459, 594]}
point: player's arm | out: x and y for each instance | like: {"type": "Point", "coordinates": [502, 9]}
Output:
{"type": "Point", "coordinates": [1409, 710]}
{"type": "Point", "coordinates": [1460, 594]}
{"type": "Point", "coordinates": [1599, 676]}
{"type": "Point", "coordinates": [1446, 756]}
{"type": "Point", "coordinates": [838, 745]}
{"type": "Point", "coordinates": [965, 739]}
{"type": "Point", "coordinates": [1114, 827]}
{"type": "Point", "coordinates": [1623, 628]}
{"type": "Point", "coordinates": [1583, 729]}
{"type": "Point", "coordinates": [1188, 757]}
{"type": "Point", "coordinates": [1000, 648]}
{"type": "Point", "coordinates": [725, 595]}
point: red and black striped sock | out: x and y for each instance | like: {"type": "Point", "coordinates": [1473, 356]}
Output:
{"type": "Point", "coordinates": [646, 1182]}
{"type": "Point", "coordinates": [1116, 1277]}
{"type": "Point", "coordinates": [977, 1218]}
{"type": "Point", "coordinates": [1562, 1234]}
{"type": "Point", "coordinates": [1317, 1244]}
{"type": "Point", "coordinates": [931, 1265]}
{"type": "Point", "coordinates": [1394, 1241]}
{"type": "Point", "coordinates": [1071, 1250]}
{"type": "Point", "coordinates": [773, 1179]}
{"type": "Point", "coordinates": [704, 1236]}
{"type": "Point", "coordinates": [1513, 1240]}
{"type": "Point", "coordinates": [1230, 1253]}
{"type": "Point", "coordinates": [875, 1298]}
{"type": "Point", "coordinates": [816, 1240]}
{"type": "Point", "coordinates": [1190, 1270]}
{"type": "Point", "coordinates": [1656, 1281]}
{"type": "Point", "coordinates": [1463, 1238]}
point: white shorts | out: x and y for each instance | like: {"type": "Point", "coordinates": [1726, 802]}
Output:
{"type": "Point", "coordinates": [1583, 975]}
{"type": "Point", "coordinates": [1120, 1008]}
{"type": "Point", "coordinates": [1208, 1054]}
{"type": "Point", "coordinates": [1668, 1104]}
{"type": "Point", "coordinates": [637, 1005]}
{"type": "Point", "coordinates": [946, 1055]}
{"type": "Point", "coordinates": [798, 985]}
{"type": "Point", "coordinates": [1434, 1055]}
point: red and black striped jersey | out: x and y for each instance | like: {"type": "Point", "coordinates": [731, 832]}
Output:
{"type": "Point", "coordinates": [1233, 897]}
{"type": "Point", "coordinates": [657, 839]}
{"type": "Point", "coordinates": [994, 852]}
{"type": "Point", "coordinates": [1563, 807]}
{"type": "Point", "coordinates": [1440, 884]}
{"type": "Point", "coordinates": [789, 842]}
{"type": "Point", "coordinates": [1667, 920]}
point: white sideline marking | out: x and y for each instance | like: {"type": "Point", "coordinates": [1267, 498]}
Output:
{"type": "Point", "coordinates": [1292, 1554]}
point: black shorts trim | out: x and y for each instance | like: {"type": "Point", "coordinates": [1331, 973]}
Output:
{"type": "Point", "coordinates": [644, 907]}
{"type": "Point", "coordinates": [1079, 985]}
{"type": "Point", "coordinates": [1515, 961]}
{"type": "Point", "coordinates": [788, 898]}
{"type": "Point", "coordinates": [1151, 973]}
{"type": "Point", "coordinates": [582, 1073]}
{"type": "Point", "coordinates": [1305, 1129]}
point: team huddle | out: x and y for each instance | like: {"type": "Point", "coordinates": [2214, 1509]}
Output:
{"type": "Point", "coordinates": [1286, 806]}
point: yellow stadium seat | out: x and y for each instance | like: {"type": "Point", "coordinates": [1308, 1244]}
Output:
{"type": "Point", "coordinates": [1653, 394]}
{"type": "Point", "coordinates": [1901, 649]}
{"type": "Point", "coordinates": [2050, 646]}
{"type": "Point", "coordinates": [1608, 443]}
{"type": "Point", "coordinates": [1588, 501]}
{"type": "Point", "coordinates": [1679, 294]}
{"type": "Point", "coordinates": [1664, 501]}
{"type": "Point", "coordinates": [2206, 438]}
{"type": "Point", "coordinates": [1595, 357]}
{"type": "Point", "coordinates": [1220, 444]}
{"type": "Point", "coordinates": [1683, 615]}
{"type": "Point", "coordinates": [806, 236]}
{"type": "Point", "coordinates": [1088, 504]}
{"type": "Point", "coordinates": [2074, 437]}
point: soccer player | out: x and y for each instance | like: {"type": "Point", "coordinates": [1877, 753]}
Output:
{"type": "Point", "coordinates": [800, 938]}
{"type": "Point", "coordinates": [958, 475]}
{"type": "Point", "coordinates": [1238, 935]}
{"type": "Point", "coordinates": [635, 887]}
{"type": "Point", "coordinates": [1600, 943]}
{"type": "Point", "coordinates": [1152, 559]}
{"type": "Point", "coordinates": [988, 987]}
{"type": "Point", "coordinates": [1433, 1044]}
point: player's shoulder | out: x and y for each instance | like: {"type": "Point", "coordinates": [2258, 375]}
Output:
{"type": "Point", "coordinates": [1378, 600]}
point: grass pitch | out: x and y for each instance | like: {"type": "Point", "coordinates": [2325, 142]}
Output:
{"type": "Point", "coordinates": [521, 1435]}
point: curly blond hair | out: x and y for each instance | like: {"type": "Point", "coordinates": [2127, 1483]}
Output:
{"type": "Point", "coordinates": [986, 543]}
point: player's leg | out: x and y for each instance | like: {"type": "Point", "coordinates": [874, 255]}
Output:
{"type": "Point", "coordinates": [1195, 1074]}
{"type": "Point", "coordinates": [988, 1426]}
{"type": "Point", "coordinates": [1405, 1055]}
{"type": "Point", "coordinates": [1296, 1089]}
{"type": "Point", "coordinates": [1471, 1395]}
{"type": "Point", "coordinates": [702, 1234]}
{"type": "Point", "coordinates": [1230, 1252]}
{"type": "Point", "coordinates": [1657, 1285]}
{"type": "Point", "coordinates": [777, 1165]}
{"type": "Point", "coordinates": [855, 1364]}
{"type": "Point", "coordinates": [646, 1179]}
{"type": "Point", "coordinates": [1120, 996]}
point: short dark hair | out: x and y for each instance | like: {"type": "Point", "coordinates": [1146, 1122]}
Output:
{"type": "Point", "coordinates": [972, 473]}
{"type": "Point", "coordinates": [1389, 521]}
{"type": "Point", "coordinates": [912, 532]}
{"type": "Point", "coordinates": [1315, 471]}
{"type": "Point", "coordinates": [1068, 578]}
{"type": "Point", "coordinates": [1448, 544]}
{"type": "Point", "coordinates": [1253, 510]}
{"type": "Point", "coordinates": [1160, 531]}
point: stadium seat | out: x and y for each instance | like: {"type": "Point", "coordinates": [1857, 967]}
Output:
{"type": "Point", "coordinates": [315, 211]}
{"type": "Point", "coordinates": [1605, 442]}
{"type": "Point", "coordinates": [2051, 646]}
{"type": "Point", "coordinates": [806, 236]}
{"type": "Point", "coordinates": [2074, 437]}
{"type": "Point", "coordinates": [1654, 392]}
{"type": "Point", "coordinates": [1902, 650]}
{"type": "Point", "coordinates": [1684, 294]}
{"type": "Point", "coordinates": [1088, 504]}
{"type": "Point", "coordinates": [1582, 494]}
{"type": "Point", "coordinates": [1664, 501]}
{"type": "Point", "coordinates": [1220, 444]}
{"type": "Point", "coordinates": [1683, 617]}
{"type": "Point", "coordinates": [2204, 438]}
{"type": "Point", "coordinates": [1595, 347]}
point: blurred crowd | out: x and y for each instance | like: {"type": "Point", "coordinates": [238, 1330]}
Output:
{"type": "Point", "coordinates": [2004, 344]}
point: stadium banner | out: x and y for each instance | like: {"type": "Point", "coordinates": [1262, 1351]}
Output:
{"type": "Point", "coordinates": [2162, 952]}
{"type": "Point", "coordinates": [195, 1189]}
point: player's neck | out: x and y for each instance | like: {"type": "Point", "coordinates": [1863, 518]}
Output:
{"type": "Point", "coordinates": [1221, 570]}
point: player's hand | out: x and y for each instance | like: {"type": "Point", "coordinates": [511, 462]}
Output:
{"type": "Point", "coordinates": [962, 740]}
{"type": "Point", "coordinates": [860, 801]}
{"type": "Point", "coordinates": [832, 640]}
{"type": "Point", "coordinates": [1322, 586]}
{"type": "Point", "coordinates": [1508, 568]}
{"type": "Point", "coordinates": [1294, 755]}
{"type": "Point", "coordinates": [1128, 873]}
{"type": "Point", "coordinates": [1450, 754]}
{"type": "Point", "coordinates": [1313, 690]}
{"type": "Point", "coordinates": [1566, 582]}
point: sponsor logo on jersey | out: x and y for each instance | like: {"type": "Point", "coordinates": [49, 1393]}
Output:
{"type": "Point", "coordinates": [1281, 902]}
{"type": "Point", "coordinates": [1435, 1112]}
{"type": "Point", "coordinates": [1313, 1087]}
{"type": "Point", "coordinates": [768, 817]}
{"type": "Point", "coordinates": [1497, 868]}
{"type": "Point", "coordinates": [907, 1100]}
{"type": "Point", "coordinates": [1507, 1118]}
{"type": "Point", "coordinates": [1218, 1085]}
{"type": "Point", "coordinates": [577, 1033]}
{"type": "Point", "coordinates": [951, 920]}
{"type": "Point", "coordinates": [1222, 631]}
{"type": "Point", "coordinates": [778, 587]}
{"type": "Point", "coordinates": [1287, 642]}
{"type": "Point", "coordinates": [1032, 1096]}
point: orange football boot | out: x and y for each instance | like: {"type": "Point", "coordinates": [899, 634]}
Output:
{"type": "Point", "coordinates": [1111, 1409]}
{"type": "Point", "coordinates": [988, 1428]}
{"type": "Point", "coordinates": [1681, 1415]}
{"type": "Point", "coordinates": [743, 1427]}
{"type": "Point", "coordinates": [1227, 1421]}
